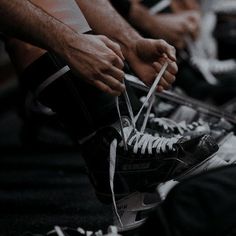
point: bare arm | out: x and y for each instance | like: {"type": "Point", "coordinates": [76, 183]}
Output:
{"type": "Point", "coordinates": [185, 5]}
{"type": "Point", "coordinates": [104, 19]}
{"type": "Point", "coordinates": [139, 52]}
{"type": "Point", "coordinates": [171, 27]}
{"type": "Point", "coordinates": [22, 19]}
{"type": "Point", "coordinates": [95, 58]}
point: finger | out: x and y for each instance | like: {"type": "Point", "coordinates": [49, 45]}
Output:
{"type": "Point", "coordinates": [106, 89]}
{"type": "Point", "coordinates": [167, 79]}
{"type": "Point", "coordinates": [116, 73]}
{"type": "Point", "coordinates": [166, 49]}
{"type": "Point", "coordinates": [164, 84]}
{"type": "Point", "coordinates": [117, 62]}
{"type": "Point", "coordinates": [160, 89]}
{"type": "Point", "coordinates": [114, 60]}
{"type": "Point", "coordinates": [192, 30]}
{"type": "Point", "coordinates": [112, 83]}
{"type": "Point", "coordinates": [172, 67]}
{"type": "Point", "coordinates": [113, 46]}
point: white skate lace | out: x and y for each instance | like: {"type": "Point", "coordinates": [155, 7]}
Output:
{"type": "Point", "coordinates": [198, 52]}
{"type": "Point", "coordinates": [171, 125]}
{"type": "Point", "coordinates": [166, 123]}
{"type": "Point", "coordinates": [144, 143]}
{"type": "Point", "coordinates": [213, 65]}
{"type": "Point", "coordinates": [112, 231]}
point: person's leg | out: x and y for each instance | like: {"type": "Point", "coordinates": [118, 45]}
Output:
{"type": "Point", "coordinates": [200, 205]}
{"type": "Point", "coordinates": [71, 98]}
{"type": "Point", "coordinates": [61, 95]}
{"type": "Point", "coordinates": [84, 110]}
{"type": "Point", "coordinates": [81, 107]}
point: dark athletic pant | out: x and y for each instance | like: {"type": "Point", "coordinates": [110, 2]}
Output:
{"type": "Point", "coordinates": [81, 107]}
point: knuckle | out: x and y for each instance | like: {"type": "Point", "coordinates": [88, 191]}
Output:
{"type": "Point", "coordinates": [176, 69]}
{"type": "Point", "coordinates": [107, 90]}
{"type": "Point", "coordinates": [116, 84]}
{"type": "Point", "coordinates": [122, 74]}
{"type": "Point", "coordinates": [118, 46]}
{"type": "Point", "coordinates": [98, 73]}
{"type": "Point", "coordinates": [162, 41]}
{"type": "Point", "coordinates": [173, 68]}
{"type": "Point", "coordinates": [171, 79]}
{"type": "Point", "coordinates": [102, 37]}
{"type": "Point", "coordinates": [113, 58]}
{"type": "Point", "coordinates": [106, 65]}
{"type": "Point", "coordinates": [173, 48]}
{"type": "Point", "coordinates": [158, 66]}
{"type": "Point", "coordinates": [120, 77]}
{"type": "Point", "coordinates": [166, 85]}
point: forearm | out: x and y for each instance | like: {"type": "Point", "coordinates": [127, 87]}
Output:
{"type": "Point", "coordinates": [24, 20]}
{"type": "Point", "coordinates": [140, 18]}
{"type": "Point", "coordinates": [185, 5]}
{"type": "Point", "coordinates": [104, 19]}
{"type": "Point", "coordinates": [145, 56]}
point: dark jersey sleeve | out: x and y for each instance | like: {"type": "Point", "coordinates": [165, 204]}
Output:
{"type": "Point", "coordinates": [122, 6]}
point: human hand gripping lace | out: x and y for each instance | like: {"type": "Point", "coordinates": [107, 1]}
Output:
{"type": "Point", "coordinates": [144, 142]}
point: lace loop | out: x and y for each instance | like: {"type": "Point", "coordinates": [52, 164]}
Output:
{"type": "Point", "coordinates": [143, 142]}
{"type": "Point", "coordinates": [59, 231]}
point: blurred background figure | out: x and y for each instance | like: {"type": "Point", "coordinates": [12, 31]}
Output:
{"type": "Point", "coordinates": [195, 29]}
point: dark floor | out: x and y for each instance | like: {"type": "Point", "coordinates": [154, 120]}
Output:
{"type": "Point", "coordinates": [40, 188]}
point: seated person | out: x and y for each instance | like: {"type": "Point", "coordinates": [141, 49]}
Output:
{"type": "Point", "coordinates": [182, 21]}
{"type": "Point", "coordinates": [121, 160]}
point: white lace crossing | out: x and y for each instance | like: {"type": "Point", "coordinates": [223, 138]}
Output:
{"type": "Point", "coordinates": [144, 143]}
{"type": "Point", "coordinates": [169, 124]}
{"type": "Point", "coordinates": [147, 143]}
{"type": "Point", "coordinates": [112, 231]}
{"type": "Point", "coordinates": [59, 231]}
{"type": "Point", "coordinates": [151, 92]}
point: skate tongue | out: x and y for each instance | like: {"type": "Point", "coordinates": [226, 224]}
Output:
{"type": "Point", "coordinates": [127, 127]}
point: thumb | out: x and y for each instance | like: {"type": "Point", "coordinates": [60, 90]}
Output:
{"type": "Point", "coordinates": [166, 49]}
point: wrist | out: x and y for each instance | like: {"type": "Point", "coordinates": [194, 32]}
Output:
{"type": "Point", "coordinates": [140, 17]}
{"type": "Point", "coordinates": [65, 42]}
{"type": "Point", "coordinates": [128, 44]}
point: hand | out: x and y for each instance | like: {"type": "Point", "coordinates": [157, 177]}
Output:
{"type": "Point", "coordinates": [175, 27]}
{"type": "Point", "coordinates": [98, 60]}
{"type": "Point", "coordinates": [146, 58]}
{"type": "Point", "coordinates": [185, 5]}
